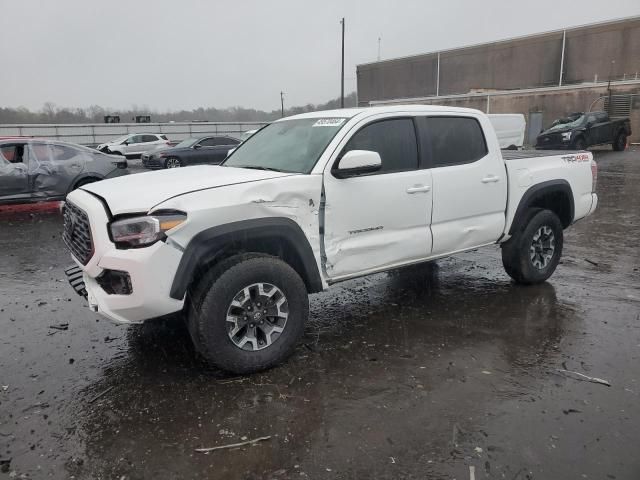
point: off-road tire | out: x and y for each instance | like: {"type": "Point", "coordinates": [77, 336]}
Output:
{"type": "Point", "coordinates": [210, 299]}
{"type": "Point", "coordinates": [620, 142]}
{"type": "Point", "coordinates": [516, 252]}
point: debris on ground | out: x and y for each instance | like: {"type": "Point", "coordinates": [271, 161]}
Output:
{"type": "Point", "coordinates": [103, 393]}
{"type": "Point", "coordinates": [5, 464]}
{"type": "Point", "coordinates": [60, 326]}
{"type": "Point", "coordinates": [595, 264]}
{"type": "Point", "coordinates": [571, 410]}
{"type": "Point", "coordinates": [583, 377]}
{"type": "Point", "coordinates": [233, 445]}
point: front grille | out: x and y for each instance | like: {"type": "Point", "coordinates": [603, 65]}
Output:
{"type": "Point", "coordinates": [550, 139]}
{"type": "Point", "coordinates": [77, 233]}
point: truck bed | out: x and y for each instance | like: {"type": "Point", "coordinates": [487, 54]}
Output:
{"type": "Point", "coordinates": [521, 154]}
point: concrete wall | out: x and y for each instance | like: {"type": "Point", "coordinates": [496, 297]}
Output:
{"type": "Point", "coordinates": [502, 66]}
{"type": "Point", "coordinates": [527, 62]}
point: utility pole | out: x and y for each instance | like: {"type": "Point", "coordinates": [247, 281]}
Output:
{"type": "Point", "coordinates": [282, 103]}
{"type": "Point", "coordinates": [379, 39]}
{"type": "Point", "coordinates": [342, 69]}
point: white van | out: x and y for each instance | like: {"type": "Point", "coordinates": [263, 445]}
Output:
{"type": "Point", "coordinates": [510, 129]}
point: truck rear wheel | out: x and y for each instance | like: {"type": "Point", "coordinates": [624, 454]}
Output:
{"type": "Point", "coordinates": [248, 313]}
{"type": "Point", "coordinates": [620, 142]}
{"type": "Point", "coordinates": [532, 254]}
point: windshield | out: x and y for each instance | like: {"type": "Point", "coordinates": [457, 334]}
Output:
{"type": "Point", "coordinates": [120, 139]}
{"type": "Point", "coordinates": [187, 142]}
{"type": "Point", "coordinates": [287, 146]}
{"type": "Point", "coordinates": [568, 124]}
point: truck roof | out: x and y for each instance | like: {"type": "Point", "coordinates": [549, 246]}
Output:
{"type": "Point", "coordinates": [352, 112]}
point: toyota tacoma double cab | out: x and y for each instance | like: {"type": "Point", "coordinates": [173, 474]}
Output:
{"type": "Point", "coordinates": [309, 201]}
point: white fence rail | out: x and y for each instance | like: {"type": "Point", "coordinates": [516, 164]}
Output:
{"type": "Point", "coordinates": [96, 133]}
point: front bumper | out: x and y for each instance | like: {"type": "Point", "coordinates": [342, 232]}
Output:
{"type": "Point", "coordinates": [151, 271]}
{"type": "Point", "coordinates": [152, 162]}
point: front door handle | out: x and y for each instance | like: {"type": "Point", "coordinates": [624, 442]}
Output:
{"type": "Point", "coordinates": [490, 179]}
{"type": "Point", "coordinates": [418, 189]}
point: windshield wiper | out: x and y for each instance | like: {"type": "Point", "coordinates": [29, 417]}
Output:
{"type": "Point", "coordinates": [256, 167]}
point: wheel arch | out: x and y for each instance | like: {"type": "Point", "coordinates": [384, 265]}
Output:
{"type": "Point", "coordinates": [80, 180]}
{"type": "Point", "coordinates": [280, 237]}
{"type": "Point", "coordinates": [554, 195]}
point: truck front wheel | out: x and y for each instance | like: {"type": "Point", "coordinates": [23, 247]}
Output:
{"type": "Point", "coordinates": [248, 313]}
{"type": "Point", "coordinates": [532, 254]}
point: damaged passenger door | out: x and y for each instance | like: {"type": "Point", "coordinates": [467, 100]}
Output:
{"type": "Point", "coordinates": [374, 220]}
{"type": "Point", "coordinates": [53, 168]}
{"type": "Point", "coordinates": [14, 176]}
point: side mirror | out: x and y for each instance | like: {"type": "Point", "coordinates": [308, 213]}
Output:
{"type": "Point", "coordinates": [357, 162]}
{"type": "Point", "coordinates": [197, 146]}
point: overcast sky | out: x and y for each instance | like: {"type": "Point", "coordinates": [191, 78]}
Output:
{"type": "Point", "coordinates": [189, 53]}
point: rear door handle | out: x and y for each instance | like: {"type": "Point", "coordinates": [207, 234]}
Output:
{"type": "Point", "coordinates": [418, 189]}
{"type": "Point", "coordinates": [490, 179]}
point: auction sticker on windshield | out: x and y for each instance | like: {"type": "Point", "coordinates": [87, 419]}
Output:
{"type": "Point", "coordinates": [329, 122]}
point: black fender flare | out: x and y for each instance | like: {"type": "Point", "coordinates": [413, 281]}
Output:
{"type": "Point", "coordinates": [540, 190]}
{"type": "Point", "coordinates": [204, 247]}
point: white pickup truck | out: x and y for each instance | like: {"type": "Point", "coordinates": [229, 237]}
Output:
{"type": "Point", "coordinates": [309, 201]}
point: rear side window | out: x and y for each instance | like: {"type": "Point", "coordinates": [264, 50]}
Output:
{"type": "Point", "coordinates": [61, 153]}
{"type": "Point", "coordinates": [149, 138]}
{"type": "Point", "coordinates": [394, 140]}
{"type": "Point", "coordinates": [452, 140]}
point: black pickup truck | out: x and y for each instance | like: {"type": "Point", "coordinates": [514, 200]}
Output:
{"type": "Point", "coordinates": [582, 130]}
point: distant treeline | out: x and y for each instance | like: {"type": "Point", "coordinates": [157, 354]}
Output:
{"type": "Point", "coordinates": [51, 113]}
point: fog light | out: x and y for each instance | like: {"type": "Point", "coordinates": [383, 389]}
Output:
{"type": "Point", "coordinates": [115, 282]}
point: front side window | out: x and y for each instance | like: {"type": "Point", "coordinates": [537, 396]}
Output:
{"type": "Point", "coordinates": [61, 153]}
{"type": "Point", "coordinates": [11, 153]}
{"type": "Point", "coordinates": [208, 142]}
{"type": "Point", "coordinates": [602, 117]}
{"type": "Point", "coordinates": [452, 140]}
{"type": "Point", "coordinates": [394, 140]}
{"type": "Point", "coordinates": [288, 145]}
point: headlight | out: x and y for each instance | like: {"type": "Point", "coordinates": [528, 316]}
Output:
{"type": "Point", "coordinates": [144, 231]}
{"type": "Point", "coordinates": [566, 136]}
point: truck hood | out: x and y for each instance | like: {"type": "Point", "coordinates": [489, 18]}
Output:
{"type": "Point", "coordinates": [142, 191]}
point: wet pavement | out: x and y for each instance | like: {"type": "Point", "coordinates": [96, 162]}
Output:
{"type": "Point", "coordinates": [441, 371]}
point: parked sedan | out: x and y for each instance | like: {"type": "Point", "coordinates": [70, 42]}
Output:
{"type": "Point", "coordinates": [192, 151]}
{"type": "Point", "coordinates": [33, 170]}
{"type": "Point", "coordinates": [133, 145]}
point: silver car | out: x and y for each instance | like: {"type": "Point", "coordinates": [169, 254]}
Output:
{"type": "Point", "coordinates": [135, 144]}
{"type": "Point", "coordinates": [36, 170]}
